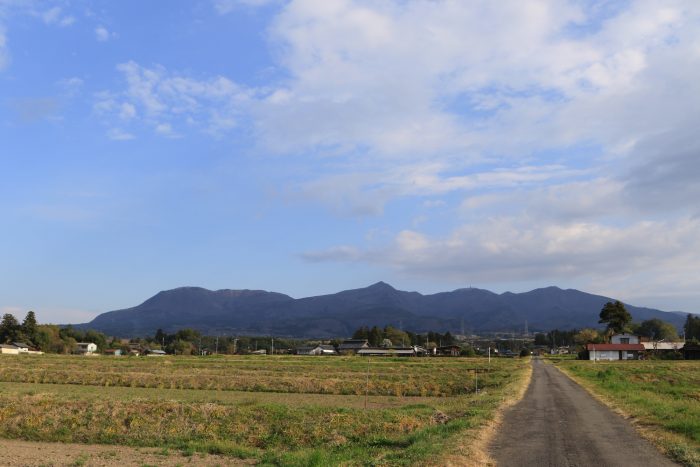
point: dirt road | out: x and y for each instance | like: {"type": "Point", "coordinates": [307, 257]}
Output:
{"type": "Point", "coordinates": [559, 424]}
{"type": "Point", "coordinates": [36, 454]}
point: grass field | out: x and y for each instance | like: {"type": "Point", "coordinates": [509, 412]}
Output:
{"type": "Point", "coordinates": [275, 410]}
{"type": "Point", "coordinates": [662, 396]}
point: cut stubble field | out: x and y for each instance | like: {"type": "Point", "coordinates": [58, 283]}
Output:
{"type": "Point", "coordinates": [269, 410]}
{"type": "Point", "coordinates": [661, 398]}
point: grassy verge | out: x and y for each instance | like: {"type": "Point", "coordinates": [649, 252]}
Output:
{"type": "Point", "coordinates": [661, 397]}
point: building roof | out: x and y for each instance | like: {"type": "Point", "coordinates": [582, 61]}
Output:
{"type": "Point", "coordinates": [6, 346]}
{"type": "Point", "coordinates": [601, 347]}
{"type": "Point", "coordinates": [663, 345]}
{"type": "Point", "coordinates": [389, 351]}
{"type": "Point", "coordinates": [20, 344]}
{"type": "Point", "coordinates": [354, 344]}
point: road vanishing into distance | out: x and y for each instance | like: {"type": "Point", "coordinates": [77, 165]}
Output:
{"type": "Point", "coordinates": [559, 424]}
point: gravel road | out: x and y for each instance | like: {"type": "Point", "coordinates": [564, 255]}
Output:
{"type": "Point", "coordinates": [559, 424]}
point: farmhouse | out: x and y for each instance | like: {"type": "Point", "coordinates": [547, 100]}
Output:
{"type": "Point", "coordinates": [321, 349]}
{"type": "Point", "coordinates": [21, 346]}
{"type": "Point", "coordinates": [353, 345]}
{"type": "Point", "coordinates": [156, 353]}
{"type": "Point", "coordinates": [624, 339]}
{"type": "Point", "coordinates": [86, 348]}
{"type": "Point", "coordinates": [614, 351]}
{"type": "Point", "coordinates": [448, 351]}
{"type": "Point", "coordinates": [114, 352]}
{"type": "Point", "coordinates": [8, 349]}
{"type": "Point", "coordinates": [388, 352]}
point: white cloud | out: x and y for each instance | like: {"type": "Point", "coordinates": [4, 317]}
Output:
{"type": "Point", "coordinates": [224, 7]}
{"type": "Point", "coordinates": [4, 53]}
{"type": "Point", "coordinates": [164, 129]}
{"type": "Point", "coordinates": [55, 16]}
{"type": "Point", "coordinates": [102, 34]}
{"type": "Point", "coordinates": [118, 134]}
{"type": "Point", "coordinates": [165, 101]}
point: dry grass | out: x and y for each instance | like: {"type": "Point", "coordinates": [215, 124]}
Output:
{"type": "Point", "coordinates": [277, 410]}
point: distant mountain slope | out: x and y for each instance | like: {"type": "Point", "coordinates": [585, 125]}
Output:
{"type": "Point", "coordinates": [261, 312]}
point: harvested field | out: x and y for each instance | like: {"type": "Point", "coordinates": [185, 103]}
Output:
{"type": "Point", "coordinates": [274, 410]}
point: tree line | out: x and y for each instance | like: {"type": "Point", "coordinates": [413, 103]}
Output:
{"type": "Point", "coordinates": [389, 336]}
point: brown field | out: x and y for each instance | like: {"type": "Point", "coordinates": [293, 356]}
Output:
{"type": "Point", "coordinates": [263, 409]}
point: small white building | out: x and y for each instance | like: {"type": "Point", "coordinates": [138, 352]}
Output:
{"type": "Point", "coordinates": [614, 351]}
{"type": "Point", "coordinates": [86, 348]}
{"type": "Point", "coordinates": [8, 349]}
{"type": "Point", "coordinates": [321, 349]}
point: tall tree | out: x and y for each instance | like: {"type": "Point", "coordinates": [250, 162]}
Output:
{"type": "Point", "coordinates": [29, 326]}
{"type": "Point", "coordinates": [9, 328]}
{"type": "Point", "coordinates": [657, 330]}
{"type": "Point", "coordinates": [616, 316]}
{"type": "Point", "coordinates": [692, 327]}
{"type": "Point", "coordinates": [375, 336]}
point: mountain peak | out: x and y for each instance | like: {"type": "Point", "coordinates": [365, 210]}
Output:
{"type": "Point", "coordinates": [381, 285]}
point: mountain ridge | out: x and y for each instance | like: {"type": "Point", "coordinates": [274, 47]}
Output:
{"type": "Point", "coordinates": [262, 312]}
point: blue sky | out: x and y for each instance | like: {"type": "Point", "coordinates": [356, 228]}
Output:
{"type": "Point", "coordinates": [312, 146]}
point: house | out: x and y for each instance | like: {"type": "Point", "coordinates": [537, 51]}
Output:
{"type": "Point", "coordinates": [449, 351]}
{"type": "Point", "coordinates": [614, 351]}
{"type": "Point", "coordinates": [387, 352]}
{"type": "Point", "coordinates": [21, 346]}
{"type": "Point", "coordinates": [114, 352]}
{"type": "Point", "coordinates": [352, 345]}
{"type": "Point", "coordinates": [8, 349]}
{"type": "Point", "coordinates": [86, 348]}
{"type": "Point", "coordinates": [156, 353]}
{"type": "Point", "coordinates": [691, 351]}
{"type": "Point", "coordinates": [321, 349]}
{"type": "Point", "coordinates": [624, 338]}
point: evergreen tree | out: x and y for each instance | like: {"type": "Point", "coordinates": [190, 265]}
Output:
{"type": "Point", "coordinates": [616, 316]}
{"type": "Point", "coordinates": [375, 336]}
{"type": "Point", "coordinates": [29, 326]}
{"type": "Point", "coordinates": [9, 328]}
{"type": "Point", "coordinates": [361, 333]}
{"type": "Point", "coordinates": [692, 327]}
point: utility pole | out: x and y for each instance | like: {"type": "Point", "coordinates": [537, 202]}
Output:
{"type": "Point", "coordinates": [272, 349]}
{"type": "Point", "coordinates": [367, 384]}
{"type": "Point", "coordinates": [216, 351]}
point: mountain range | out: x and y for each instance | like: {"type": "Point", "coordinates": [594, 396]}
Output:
{"type": "Point", "coordinates": [259, 312]}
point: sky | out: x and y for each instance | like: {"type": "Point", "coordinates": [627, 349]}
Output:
{"type": "Point", "coordinates": [312, 146]}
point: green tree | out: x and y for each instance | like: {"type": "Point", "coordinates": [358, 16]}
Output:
{"type": "Point", "coordinates": [397, 336]}
{"type": "Point", "coordinates": [9, 328]}
{"type": "Point", "coordinates": [29, 326]}
{"type": "Point", "coordinates": [657, 329]}
{"type": "Point", "coordinates": [692, 327]}
{"type": "Point", "coordinates": [361, 333]}
{"type": "Point", "coordinates": [541, 339]}
{"type": "Point", "coordinates": [587, 336]}
{"type": "Point", "coordinates": [615, 316]}
{"type": "Point", "coordinates": [375, 336]}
